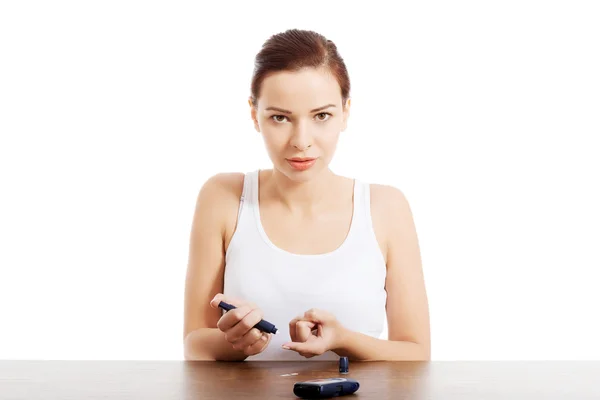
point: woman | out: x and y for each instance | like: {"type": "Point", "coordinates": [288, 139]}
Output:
{"type": "Point", "coordinates": [324, 257]}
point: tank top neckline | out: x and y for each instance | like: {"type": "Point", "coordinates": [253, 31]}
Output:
{"type": "Point", "coordinates": [353, 222]}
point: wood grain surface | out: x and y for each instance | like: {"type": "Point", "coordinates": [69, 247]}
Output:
{"type": "Point", "coordinates": [146, 380]}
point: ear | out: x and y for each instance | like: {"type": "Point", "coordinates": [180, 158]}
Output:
{"type": "Point", "coordinates": [253, 114]}
{"type": "Point", "coordinates": [346, 115]}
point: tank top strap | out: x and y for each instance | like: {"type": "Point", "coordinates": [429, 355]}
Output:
{"type": "Point", "coordinates": [246, 196]}
{"type": "Point", "coordinates": [253, 187]}
{"type": "Point", "coordinates": [365, 194]}
{"type": "Point", "coordinates": [360, 204]}
{"type": "Point", "coordinates": [364, 233]}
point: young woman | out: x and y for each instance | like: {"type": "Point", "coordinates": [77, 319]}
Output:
{"type": "Point", "coordinates": [325, 258]}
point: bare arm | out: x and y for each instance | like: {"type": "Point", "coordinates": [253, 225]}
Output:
{"type": "Point", "coordinates": [407, 305]}
{"type": "Point", "coordinates": [209, 344]}
{"type": "Point", "coordinates": [204, 278]}
{"type": "Point", "coordinates": [358, 346]}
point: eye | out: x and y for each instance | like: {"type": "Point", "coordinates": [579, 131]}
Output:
{"type": "Point", "coordinates": [274, 118]}
{"type": "Point", "coordinates": [325, 114]}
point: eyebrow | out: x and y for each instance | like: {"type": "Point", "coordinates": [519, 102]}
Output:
{"type": "Point", "coordinates": [289, 112]}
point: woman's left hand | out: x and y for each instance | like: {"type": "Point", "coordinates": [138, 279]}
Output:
{"type": "Point", "coordinates": [314, 333]}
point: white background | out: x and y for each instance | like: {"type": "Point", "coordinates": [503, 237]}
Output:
{"type": "Point", "coordinates": [114, 113]}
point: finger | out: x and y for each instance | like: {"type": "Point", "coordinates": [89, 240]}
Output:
{"type": "Point", "coordinates": [258, 346]}
{"type": "Point", "coordinates": [315, 315]}
{"type": "Point", "coordinates": [303, 330]}
{"type": "Point", "coordinates": [293, 327]}
{"type": "Point", "coordinates": [244, 324]}
{"type": "Point", "coordinates": [231, 318]}
{"type": "Point", "coordinates": [251, 337]}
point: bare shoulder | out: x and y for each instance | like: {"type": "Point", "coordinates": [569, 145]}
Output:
{"type": "Point", "coordinates": [221, 193]}
{"type": "Point", "coordinates": [390, 211]}
{"type": "Point", "coordinates": [221, 189]}
{"type": "Point", "coordinates": [224, 190]}
{"type": "Point", "coordinates": [388, 198]}
{"type": "Point", "coordinates": [224, 183]}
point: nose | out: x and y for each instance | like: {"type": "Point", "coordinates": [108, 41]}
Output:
{"type": "Point", "coordinates": [301, 137]}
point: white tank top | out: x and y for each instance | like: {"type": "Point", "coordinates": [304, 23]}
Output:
{"type": "Point", "coordinates": [349, 281]}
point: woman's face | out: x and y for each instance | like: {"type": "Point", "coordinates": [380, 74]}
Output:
{"type": "Point", "coordinates": [300, 114]}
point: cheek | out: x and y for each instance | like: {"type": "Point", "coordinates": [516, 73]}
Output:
{"type": "Point", "coordinates": [274, 140]}
{"type": "Point", "coordinates": [329, 138]}
{"type": "Point", "coordinates": [330, 131]}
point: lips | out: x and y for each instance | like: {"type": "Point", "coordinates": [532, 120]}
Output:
{"type": "Point", "coordinates": [301, 163]}
{"type": "Point", "coordinates": [299, 159]}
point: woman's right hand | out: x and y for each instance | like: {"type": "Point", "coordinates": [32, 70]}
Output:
{"type": "Point", "coordinates": [238, 326]}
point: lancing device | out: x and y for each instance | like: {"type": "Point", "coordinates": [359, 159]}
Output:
{"type": "Point", "coordinates": [263, 325]}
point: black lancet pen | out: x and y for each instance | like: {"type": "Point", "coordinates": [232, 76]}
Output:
{"type": "Point", "coordinates": [263, 325]}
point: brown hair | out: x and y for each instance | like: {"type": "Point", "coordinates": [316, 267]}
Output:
{"type": "Point", "coordinates": [295, 49]}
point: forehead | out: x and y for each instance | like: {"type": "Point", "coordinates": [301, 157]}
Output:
{"type": "Point", "coordinates": [299, 90]}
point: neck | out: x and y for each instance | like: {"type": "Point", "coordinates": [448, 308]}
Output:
{"type": "Point", "coordinates": [300, 197]}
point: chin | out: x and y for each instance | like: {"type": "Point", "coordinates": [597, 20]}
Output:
{"type": "Point", "coordinates": [297, 175]}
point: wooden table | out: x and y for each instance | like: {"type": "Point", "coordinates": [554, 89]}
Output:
{"type": "Point", "coordinates": [145, 380]}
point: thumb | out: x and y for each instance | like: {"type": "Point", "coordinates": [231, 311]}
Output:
{"type": "Point", "coordinates": [297, 346]}
{"type": "Point", "coordinates": [219, 297]}
{"type": "Point", "coordinates": [310, 346]}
